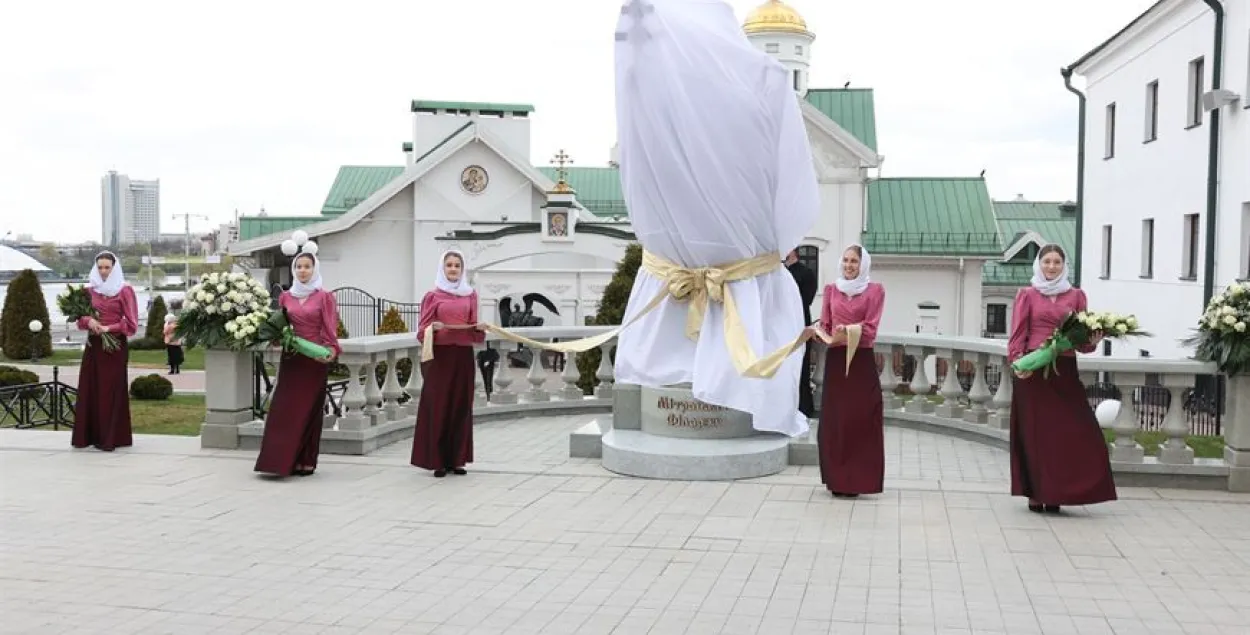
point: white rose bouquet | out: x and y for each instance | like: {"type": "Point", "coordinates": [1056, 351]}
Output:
{"type": "Point", "coordinates": [224, 310]}
{"type": "Point", "coordinates": [1221, 335]}
{"type": "Point", "coordinates": [1076, 330]}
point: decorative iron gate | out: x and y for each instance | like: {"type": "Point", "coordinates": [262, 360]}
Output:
{"type": "Point", "coordinates": [362, 312]}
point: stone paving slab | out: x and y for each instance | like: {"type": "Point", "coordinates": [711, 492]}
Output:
{"type": "Point", "coordinates": [166, 538]}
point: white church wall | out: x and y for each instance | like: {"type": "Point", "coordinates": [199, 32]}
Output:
{"type": "Point", "coordinates": [370, 255]}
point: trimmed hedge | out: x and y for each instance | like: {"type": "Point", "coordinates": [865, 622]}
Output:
{"type": "Point", "coordinates": [151, 388]}
{"type": "Point", "coordinates": [24, 303]}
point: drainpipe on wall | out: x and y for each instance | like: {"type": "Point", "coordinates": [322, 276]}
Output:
{"type": "Point", "coordinates": [1080, 173]}
{"type": "Point", "coordinates": [959, 308]}
{"type": "Point", "coordinates": [1213, 153]}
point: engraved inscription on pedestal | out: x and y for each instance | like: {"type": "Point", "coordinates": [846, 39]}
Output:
{"type": "Point", "coordinates": [674, 412]}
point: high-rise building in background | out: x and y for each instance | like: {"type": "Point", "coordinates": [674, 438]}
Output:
{"type": "Point", "coordinates": [131, 210]}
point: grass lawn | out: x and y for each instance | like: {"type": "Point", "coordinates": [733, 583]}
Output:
{"type": "Point", "coordinates": [180, 415]}
{"type": "Point", "coordinates": [138, 359]}
{"type": "Point", "coordinates": [1204, 447]}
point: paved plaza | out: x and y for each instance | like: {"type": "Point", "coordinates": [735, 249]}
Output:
{"type": "Point", "coordinates": [166, 538]}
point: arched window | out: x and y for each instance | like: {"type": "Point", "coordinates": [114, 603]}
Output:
{"type": "Point", "coordinates": [810, 257]}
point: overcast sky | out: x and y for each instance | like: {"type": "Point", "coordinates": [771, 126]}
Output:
{"type": "Point", "coordinates": [239, 104]}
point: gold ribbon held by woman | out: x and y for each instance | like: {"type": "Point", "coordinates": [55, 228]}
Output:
{"type": "Point", "coordinates": [696, 286]}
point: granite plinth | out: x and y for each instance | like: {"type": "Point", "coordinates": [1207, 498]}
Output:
{"type": "Point", "coordinates": [636, 453]}
{"type": "Point", "coordinates": [674, 412]}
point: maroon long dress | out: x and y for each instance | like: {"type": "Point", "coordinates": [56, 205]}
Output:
{"type": "Point", "coordinates": [102, 412]}
{"type": "Point", "coordinates": [1058, 453]}
{"type": "Point", "coordinates": [443, 439]}
{"type": "Point", "coordinates": [293, 425]}
{"type": "Point", "coordinates": [851, 436]}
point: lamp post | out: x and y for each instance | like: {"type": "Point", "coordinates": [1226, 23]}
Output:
{"type": "Point", "coordinates": [36, 327]}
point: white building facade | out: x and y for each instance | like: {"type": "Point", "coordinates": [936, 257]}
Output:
{"type": "Point", "coordinates": [130, 210]}
{"type": "Point", "coordinates": [1150, 112]}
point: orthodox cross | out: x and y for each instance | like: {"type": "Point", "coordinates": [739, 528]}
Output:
{"type": "Point", "coordinates": [560, 160]}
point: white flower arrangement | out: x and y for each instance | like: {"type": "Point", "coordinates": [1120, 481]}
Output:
{"type": "Point", "coordinates": [1221, 334]}
{"type": "Point", "coordinates": [1109, 324]}
{"type": "Point", "coordinates": [224, 309]}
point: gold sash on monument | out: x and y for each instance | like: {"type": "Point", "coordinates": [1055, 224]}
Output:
{"type": "Point", "coordinates": [696, 286]}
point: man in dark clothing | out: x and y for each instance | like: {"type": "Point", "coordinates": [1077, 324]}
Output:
{"type": "Point", "coordinates": [806, 279]}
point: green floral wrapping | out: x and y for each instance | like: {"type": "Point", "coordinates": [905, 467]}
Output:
{"type": "Point", "coordinates": [1045, 356]}
{"type": "Point", "coordinates": [292, 343]}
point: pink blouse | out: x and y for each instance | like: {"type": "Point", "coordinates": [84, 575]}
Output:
{"type": "Point", "coordinates": [863, 309]}
{"type": "Point", "coordinates": [170, 339]}
{"type": "Point", "coordinates": [119, 314]}
{"type": "Point", "coordinates": [449, 308]}
{"type": "Point", "coordinates": [1035, 317]}
{"type": "Point", "coordinates": [316, 319]}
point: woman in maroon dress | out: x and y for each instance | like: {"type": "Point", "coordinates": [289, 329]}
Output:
{"type": "Point", "coordinates": [1058, 454]}
{"type": "Point", "coordinates": [851, 436]}
{"type": "Point", "coordinates": [102, 412]}
{"type": "Point", "coordinates": [292, 437]}
{"type": "Point", "coordinates": [443, 440]}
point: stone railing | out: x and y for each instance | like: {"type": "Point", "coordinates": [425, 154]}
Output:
{"type": "Point", "coordinates": [1170, 399]}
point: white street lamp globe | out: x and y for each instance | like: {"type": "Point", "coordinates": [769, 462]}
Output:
{"type": "Point", "coordinates": [310, 248]}
{"type": "Point", "coordinates": [35, 326]}
{"type": "Point", "coordinates": [1107, 411]}
{"type": "Point", "coordinates": [300, 237]}
{"type": "Point", "coordinates": [289, 247]}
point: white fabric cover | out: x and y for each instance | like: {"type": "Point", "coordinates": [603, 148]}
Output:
{"type": "Point", "coordinates": [715, 168]}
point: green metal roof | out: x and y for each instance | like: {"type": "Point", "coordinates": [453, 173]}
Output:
{"type": "Point", "coordinates": [948, 216]}
{"type": "Point", "coordinates": [356, 183]}
{"type": "Point", "coordinates": [851, 108]}
{"type": "Point", "coordinates": [598, 189]}
{"type": "Point", "coordinates": [428, 105]}
{"type": "Point", "coordinates": [1016, 218]}
{"type": "Point", "coordinates": [255, 226]}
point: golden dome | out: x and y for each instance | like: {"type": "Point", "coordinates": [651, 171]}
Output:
{"type": "Point", "coordinates": [775, 16]}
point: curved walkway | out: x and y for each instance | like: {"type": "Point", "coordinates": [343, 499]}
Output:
{"type": "Point", "coordinates": [166, 538]}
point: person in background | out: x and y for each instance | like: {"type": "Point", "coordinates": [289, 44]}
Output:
{"type": "Point", "coordinates": [1058, 453]}
{"type": "Point", "coordinates": [102, 413]}
{"type": "Point", "coordinates": [806, 279]}
{"type": "Point", "coordinates": [292, 439]}
{"type": "Point", "coordinates": [443, 439]}
{"type": "Point", "coordinates": [173, 345]}
{"type": "Point", "coordinates": [851, 436]}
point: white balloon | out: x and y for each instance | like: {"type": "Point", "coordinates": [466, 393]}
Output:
{"type": "Point", "coordinates": [1106, 412]}
{"type": "Point", "coordinates": [310, 248]}
{"type": "Point", "coordinates": [289, 247]}
{"type": "Point", "coordinates": [35, 326]}
{"type": "Point", "coordinates": [300, 237]}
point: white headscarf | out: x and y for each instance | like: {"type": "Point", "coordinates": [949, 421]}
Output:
{"type": "Point", "coordinates": [1050, 287]}
{"type": "Point", "coordinates": [459, 287]}
{"type": "Point", "coordinates": [302, 290]}
{"type": "Point", "coordinates": [116, 281]}
{"type": "Point", "coordinates": [856, 286]}
{"type": "Point", "coordinates": [170, 317]}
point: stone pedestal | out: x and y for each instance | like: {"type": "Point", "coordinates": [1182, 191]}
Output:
{"type": "Point", "coordinates": [1236, 422]}
{"type": "Point", "coordinates": [679, 437]}
{"type": "Point", "coordinates": [227, 398]}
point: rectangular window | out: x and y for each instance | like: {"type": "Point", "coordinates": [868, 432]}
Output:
{"type": "Point", "coordinates": [772, 48]}
{"type": "Point", "coordinates": [1108, 138]}
{"type": "Point", "coordinates": [996, 319]}
{"type": "Point", "coordinates": [1152, 111]}
{"type": "Point", "coordinates": [1148, 248]}
{"type": "Point", "coordinates": [798, 49]}
{"type": "Point", "coordinates": [1106, 251]}
{"type": "Point", "coordinates": [1197, 86]}
{"type": "Point", "coordinates": [796, 81]}
{"type": "Point", "coordinates": [1189, 264]}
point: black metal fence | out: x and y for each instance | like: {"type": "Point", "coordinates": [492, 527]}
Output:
{"type": "Point", "coordinates": [362, 312]}
{"type": "Point", "coordinates": [39, 405]}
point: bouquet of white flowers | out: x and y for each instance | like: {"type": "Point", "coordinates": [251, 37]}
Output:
{"type": "Point", "coordinates": [1078, 329]}
{"type": "Point", "coordinates": [1221, 335]}
{"type": "Point", "coordinates": [223, 310]}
